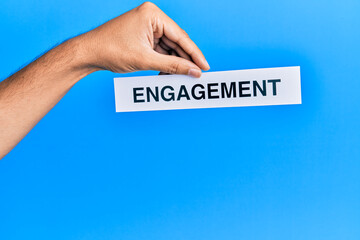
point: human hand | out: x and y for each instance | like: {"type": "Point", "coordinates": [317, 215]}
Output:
{"type": "Point", "coordinates": [141, 39]}
{"type": "Point", "coordinates": [144, 38]}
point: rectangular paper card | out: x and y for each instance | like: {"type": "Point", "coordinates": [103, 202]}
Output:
{"type": "Point", "coordinates": [253, 87]}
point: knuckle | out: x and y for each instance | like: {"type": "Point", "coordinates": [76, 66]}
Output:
{"type": "Point", "coordinates": [184, 33]}
{"type": "Point", "coordinates": [174, 68]}
{"type": "Point", "coordinates": [147, 5]}
{"type": "Point", "coordinates": [190, 52]}
{"type": "Point", "coordinates": [147, 10]}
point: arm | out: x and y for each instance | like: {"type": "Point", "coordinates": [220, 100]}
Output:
{"type": "Point", "coordinates": [141, 39]}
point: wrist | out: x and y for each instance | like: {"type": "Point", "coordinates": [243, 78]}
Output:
{"type": "Point", "coordinates": [79, 57]}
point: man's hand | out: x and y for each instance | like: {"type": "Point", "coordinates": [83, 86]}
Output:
{"type": "Point", "coordinates": [141, 39]}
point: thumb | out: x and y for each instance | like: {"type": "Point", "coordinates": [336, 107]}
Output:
{"type": "Point", "coordinates": [174, 65]}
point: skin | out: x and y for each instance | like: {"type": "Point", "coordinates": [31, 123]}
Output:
{"type": "Point", "coordinates": [144, 38]}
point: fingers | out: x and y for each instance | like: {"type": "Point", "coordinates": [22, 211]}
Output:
{"type": "Point", "coordinates": [168, 28]}
{"type": "Point", "coordinates": [165, 41]}
{"type": "Point", "coordinates": [173, 65]}
{"type": "Point", "coordinates": [161, 50]}
{"type": "Point", "coordinates": [171, 52]}
{"type": "Point", "coordinates": [165, 46]}
{"type": "Point", "coordinates": [175, 34]}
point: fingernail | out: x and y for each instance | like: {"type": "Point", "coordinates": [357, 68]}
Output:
{"type": "Point", "coordinates": [193, 72]}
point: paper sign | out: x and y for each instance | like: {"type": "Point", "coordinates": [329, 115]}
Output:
{"type": "Point", "coordinates": [254, 87]}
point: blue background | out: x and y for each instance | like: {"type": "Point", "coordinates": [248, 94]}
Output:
{"type": "Point", "coordinates": [276, 172]}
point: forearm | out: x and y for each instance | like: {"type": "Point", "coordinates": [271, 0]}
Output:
{"type": "Point", "coordinates": [29, 94]}
{"type": "Point", "coordinates": [144, 38]}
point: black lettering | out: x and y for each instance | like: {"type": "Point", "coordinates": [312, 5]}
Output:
{"type": "Point", "coordinates": [241, 89]}
{"type": "Point", "coordinates": [210, 90]}
{"type": "Point", "coordinates": [154, 95]}
{"type": "Point", "coordinates": [274, 81]}
{"type": "Point", "coordinates": [256, 85]}
{"type": "Point", "coordinates": [136, 100]}
{"type": "Point", "coordinates": [225, 90]}
{"type": "Point", "coordinates": [201, 92]}
{"type": "Point", "coordinates": [183, 93]}
{"type": "Point", "coordinates": [171, 94]}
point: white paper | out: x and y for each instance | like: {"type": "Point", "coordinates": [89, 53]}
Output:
{"type": "Point", "coordinates": [214, 89]}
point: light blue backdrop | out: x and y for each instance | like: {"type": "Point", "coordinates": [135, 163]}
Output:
{"type": "Point", "coordinates": [279, 172]}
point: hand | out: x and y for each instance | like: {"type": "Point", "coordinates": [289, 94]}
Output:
{"type": "Point", "coordinates": [144, 38]}
{"type": "Point", "coordinates": [141, 39]}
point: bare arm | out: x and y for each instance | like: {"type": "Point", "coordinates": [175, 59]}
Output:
{"type": "Point", "coordinates": [141, 39]}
